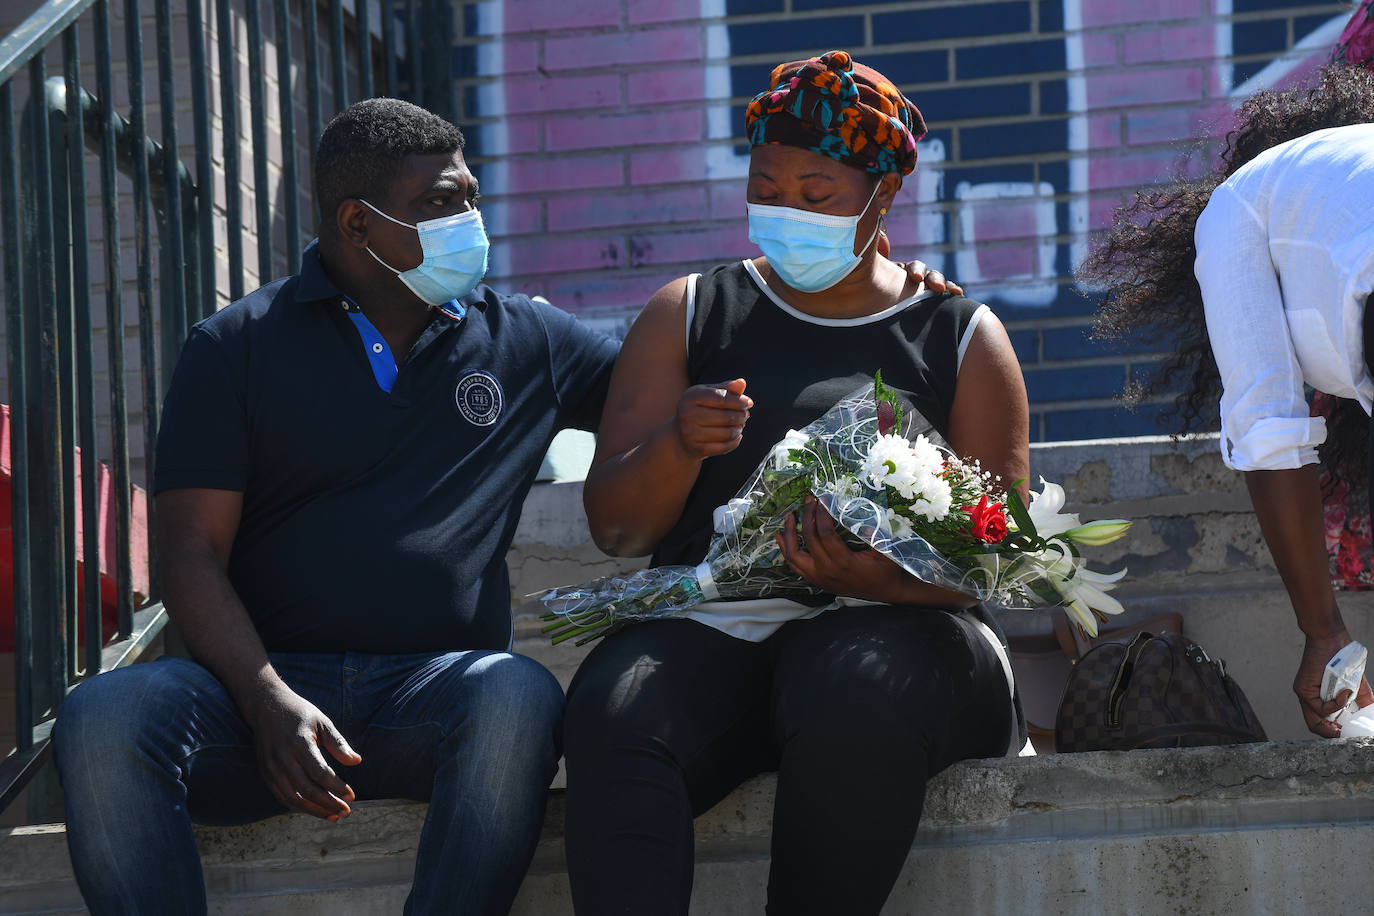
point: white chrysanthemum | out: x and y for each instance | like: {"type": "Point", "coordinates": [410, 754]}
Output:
{"type": "Point", "coordinates": [928, 457]}
{"type": "Point", "coordinates": [843, 488]}
{"type": "Point", "coordinates": [932, 497]}
{"type": "Point", "coordinates": [891, 462]}
{"type": "Point", "coordinates": [899, 525]}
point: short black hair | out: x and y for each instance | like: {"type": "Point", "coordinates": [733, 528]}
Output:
{"type": "Point", "coordinates": [361, 150]}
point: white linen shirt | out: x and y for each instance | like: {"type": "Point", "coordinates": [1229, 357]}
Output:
{"type": "Point", "coordinates": [1285, 259]}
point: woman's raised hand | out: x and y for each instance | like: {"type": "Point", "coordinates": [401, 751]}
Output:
{"type": "Point", "coordinates": [710, 418]}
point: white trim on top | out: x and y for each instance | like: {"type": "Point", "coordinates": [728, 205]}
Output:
{"type": "Point", "coordinates": [691, 311]}
{"type": "Point", "coordinates": [965, 340]}
{"type": "Point", "coordinates": [833, 322]}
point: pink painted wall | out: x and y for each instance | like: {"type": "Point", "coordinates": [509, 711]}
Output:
{"type": "Point", "coordinates": [607, 133]}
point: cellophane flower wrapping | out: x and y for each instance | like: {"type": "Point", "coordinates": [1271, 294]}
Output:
{"type": "Point", "coordinates": [891, 483]}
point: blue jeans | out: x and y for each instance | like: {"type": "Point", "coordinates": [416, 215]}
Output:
{"type": "Point", "coordinates": [143, 752]}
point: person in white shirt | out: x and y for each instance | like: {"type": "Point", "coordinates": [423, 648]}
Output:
{"type": "Point", "coordinates": [1259, 277]}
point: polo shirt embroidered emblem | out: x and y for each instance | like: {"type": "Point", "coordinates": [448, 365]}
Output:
{"type": "Point", "coordinates": [479, 398]}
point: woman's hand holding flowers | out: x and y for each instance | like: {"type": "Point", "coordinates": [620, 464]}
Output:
{"type": "Point", "coordinates": [932, 529]}
{"type": "Point", "coordinates": [814, 550]}
{"type": "Point", "coordinates": [710, 418]}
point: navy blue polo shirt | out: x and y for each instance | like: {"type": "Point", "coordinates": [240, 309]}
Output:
{"type": "Point", "coordinates": [375, 520]}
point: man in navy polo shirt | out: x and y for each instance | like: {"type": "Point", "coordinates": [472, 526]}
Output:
{"type": "Point", "coordinates": [342, 461]}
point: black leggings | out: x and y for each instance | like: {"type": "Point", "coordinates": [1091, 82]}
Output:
{"type": "Point", "coordinates": [856, 709]}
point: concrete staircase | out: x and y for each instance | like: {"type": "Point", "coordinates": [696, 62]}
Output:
{"type": "Point", "coordinates": [1269, 828]}
{"type": "Point", "coordinates": [1251, 829]}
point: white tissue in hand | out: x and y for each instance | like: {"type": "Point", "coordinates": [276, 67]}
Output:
{"type": "Point", "coordinates": [1359, 724]}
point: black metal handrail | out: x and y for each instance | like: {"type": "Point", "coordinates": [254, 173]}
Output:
{"type": "Point", "coordinates": [56, 418]}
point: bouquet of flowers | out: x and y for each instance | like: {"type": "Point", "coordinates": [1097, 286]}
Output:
{"type": "Point", "coordinates": [892, 485]}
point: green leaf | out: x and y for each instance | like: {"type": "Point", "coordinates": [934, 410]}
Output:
{"type": "Point", "coordinates": [883, 393]}
{"type": "Point", "coordinates": [1018, 510]}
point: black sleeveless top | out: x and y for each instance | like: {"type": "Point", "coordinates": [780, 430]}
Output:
{"type": "Point", "coordinates": [797, 367]}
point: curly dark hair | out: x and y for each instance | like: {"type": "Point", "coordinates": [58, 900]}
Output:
{"type": "Point", "coordinates": [360, 152]}
{"type": "Point", "coordinates": [1143, 266]}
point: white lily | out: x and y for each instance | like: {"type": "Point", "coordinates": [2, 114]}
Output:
{"type": "Point", "coordinates": [1095, 534]}
{"type": "Point", "coordinates": [1082, 615]}
{"type": "Point", "coordinates": [1086, 592]}
{"type": "Point", "coordinates": [1044, 511]}
{"type": "Point", "coordinates": [1083, 590]}
{"type": "Point", "coordinates": [1104, 581]}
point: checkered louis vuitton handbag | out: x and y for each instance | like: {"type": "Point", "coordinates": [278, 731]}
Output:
{"type": "Point", "coordinates": [1155, 691]}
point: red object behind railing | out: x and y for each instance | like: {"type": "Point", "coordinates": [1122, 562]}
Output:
{"type": "Point", "coordinates": [105, 496]}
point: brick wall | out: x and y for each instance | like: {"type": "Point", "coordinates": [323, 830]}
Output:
{"type": "Point", "coordinates": [606, 134]}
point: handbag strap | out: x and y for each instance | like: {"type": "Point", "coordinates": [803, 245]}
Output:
{"type": "Point", "coordinates": [1075, 645]}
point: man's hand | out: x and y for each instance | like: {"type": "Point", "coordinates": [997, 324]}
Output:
{"type": "Point", "coordinates": [710, 418]}
{"type": "Point", "coordinates": [1308, 685]}
{"type": "Point", "coordinates": [289, 732]}
{"type": "Point", "coordinates": [933, 279]}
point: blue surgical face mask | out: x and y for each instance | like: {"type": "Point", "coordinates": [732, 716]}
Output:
{"type": "Point", "coordinates": [455, 256]}
{"type": "Point", "coordinates": [810, 251]}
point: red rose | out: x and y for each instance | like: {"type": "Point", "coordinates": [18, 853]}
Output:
{"type": "Point", "coordinates": [986, 522]}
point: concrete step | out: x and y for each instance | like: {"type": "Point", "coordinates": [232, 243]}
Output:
{"type": "Point", "coordinates": [1252, 829]}
{"type": "Point", "coordinates": [1259, 829]}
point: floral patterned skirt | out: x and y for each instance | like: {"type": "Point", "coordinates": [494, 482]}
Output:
{"type": "Point", "coordinates": [1348, 536]}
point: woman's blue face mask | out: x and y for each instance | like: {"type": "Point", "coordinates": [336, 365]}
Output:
{"type": "Point", "coordinates": [809, 251]}
{"type": "Point", "coordinates": [455, 256]}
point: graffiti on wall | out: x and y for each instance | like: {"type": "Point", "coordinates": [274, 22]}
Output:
{"type": "Point", "coordinates": [609, 136]}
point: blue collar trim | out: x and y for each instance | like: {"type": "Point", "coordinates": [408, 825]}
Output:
{"type": "Point", "coordinates": [379, 354]}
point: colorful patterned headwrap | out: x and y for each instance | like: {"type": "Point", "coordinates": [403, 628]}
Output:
{"type": "Point", "coordinates": [835, 107]}
{"type": "Point", "coordinates": [1356, 44]}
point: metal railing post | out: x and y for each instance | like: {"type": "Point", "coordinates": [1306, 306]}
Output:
{"type": "Point", "coordinates": [16, 211]}
{"type": "Point", "coordinates": [287, 105]}
{"type": "Point", "coordinates": [57, 411]}
{"type": "Point", "coordinates": [229, 137]}
{"type": "Point", "coordinates": [85, 366]}
{"type": "Point", "coordinates": [171, 249]}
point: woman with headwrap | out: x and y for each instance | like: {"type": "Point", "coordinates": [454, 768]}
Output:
{"type": "Point", "coordinates": [1260, 280]}
{"type": "Point", "coordinates": [858, 700]}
